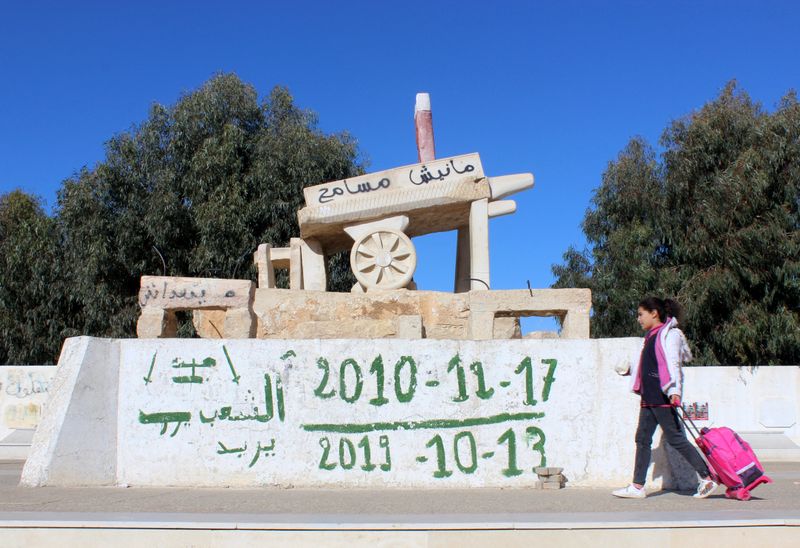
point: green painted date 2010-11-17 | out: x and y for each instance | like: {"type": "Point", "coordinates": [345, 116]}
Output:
{"type": "Point", "coordinates": [351, 380]}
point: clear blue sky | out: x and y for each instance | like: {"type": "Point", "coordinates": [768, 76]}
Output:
{"type": "Point", "coordinates": [554, 88]}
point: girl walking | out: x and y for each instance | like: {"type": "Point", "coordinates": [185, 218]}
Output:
{"type": "Point", "coordinates": [658, 379]}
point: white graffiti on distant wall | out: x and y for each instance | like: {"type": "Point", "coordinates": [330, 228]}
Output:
{"type": "Point", "coordinates": [21, 384]}
{"type": "Point", "coordinates": [24, 391]}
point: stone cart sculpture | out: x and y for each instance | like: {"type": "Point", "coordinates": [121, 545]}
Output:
{"type": "Point", "coordinates": [375, 216]}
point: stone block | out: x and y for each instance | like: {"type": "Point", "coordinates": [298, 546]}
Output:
{"type": "Point", "coordinates": [296, 263]}
{"type": "Point", "coordinates": [399, 313]}
{"type": "Point", "coordinates": [575, 324]}
{"type": "Point", "coordinates": [240, 323]}
{"type": "Point", "coordinates": [571, 304]}
{"type": "Point", "coordinates": [209, 324]}
{"type": "Point", "coordinates": [156, 323]}
{"type": "Point", "coordinates": [170, 293]}
{"type": "Point", "coordinates": [264, 266]}
{"type": "Point", "coordinates": [506, 328]}
{"type": "Point", "coordinates": [481, 323]}
{"type": "Point", "coordinates": [334, 329]}
{"type": "Point", "coordinates": [281, 257]}
{"type": "Point", "coordinates": [479, 245]}
{"type": "Point", "coordinates": [313, 265]}
{"type": "Point", "coordinates": [347, 191]}
{"type": "Point", "coordinates": [409, 327]}
{"type": "Point", "coordinates": [547, 471]}
{"type": "Point", "coordinates": [220, 308]}
{"type": "Point", "coordinates": [477, 315]}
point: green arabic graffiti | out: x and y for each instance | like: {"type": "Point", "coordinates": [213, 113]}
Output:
{"type": "Point", "coordinates": [193, 378]}
{"type": "Point", "coordinates": [164, 418]}
{"type": "Point", "coordinates": [230, 364]}
{"type": "Point", "coordinates": [150, 372]}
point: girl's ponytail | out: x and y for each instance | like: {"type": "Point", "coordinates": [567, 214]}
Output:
{"type": "Point", "coordinates": [672, 308]}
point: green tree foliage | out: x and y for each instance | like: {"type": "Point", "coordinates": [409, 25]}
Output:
{"type": "Point", "coordinates": [204, 182]}
{"type": "Point", "coordinates": [714, 221]}
{"type": "Point", "coordinates": [33, 296]}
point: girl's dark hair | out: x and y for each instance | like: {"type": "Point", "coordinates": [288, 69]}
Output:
{"type": "Point", "coordinates": [665, 308]}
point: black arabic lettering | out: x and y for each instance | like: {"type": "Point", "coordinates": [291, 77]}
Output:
{"type": "Point", "coordinates": [173, 294]}
{"type": "Point", "coordinates": [467, 169]}
{"type": "Point", "coordinates": [367, 186]}
{"type": "Point", "coordinates": [423, 180]}
{"type": "Point", "coordinates": [329, 193]}
{"type": "Point", "coordinates": [348, 189]}
{"type": "Point", "coordinates": [150, 294]}
{"type": "Point", "coordinates": [425, 176]}
{"type": "Point", "coordinates": [193, 295]}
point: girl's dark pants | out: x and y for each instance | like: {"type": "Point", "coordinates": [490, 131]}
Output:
{"type": "Point", "coordinates": [667, 418]}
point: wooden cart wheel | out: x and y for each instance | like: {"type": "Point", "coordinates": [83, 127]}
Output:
{"type": "Point", "coordinates": [383, 259]}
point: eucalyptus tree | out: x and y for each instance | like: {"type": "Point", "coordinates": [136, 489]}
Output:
{"type": "Point", "coordinates": [34, 300]}
{"type": "Point", "coordinates": [190, 191]}
{"type": "Point", "coordinates": [713, 221]}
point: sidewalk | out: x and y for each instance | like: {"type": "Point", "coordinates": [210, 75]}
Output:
{"type": "Point", "coordinates": [774, 510]}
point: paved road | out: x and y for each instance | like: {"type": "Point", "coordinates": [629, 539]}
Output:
{"type": "Point", "coordinates": [778, 500]}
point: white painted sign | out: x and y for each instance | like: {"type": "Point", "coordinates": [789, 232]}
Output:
{"type": "Point", "coordinates": [416, 175]}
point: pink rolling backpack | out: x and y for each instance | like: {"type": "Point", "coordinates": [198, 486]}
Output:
{"type": "Point", "coordinates": [731, 460]}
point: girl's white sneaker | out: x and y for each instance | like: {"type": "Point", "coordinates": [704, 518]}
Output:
{"type": "Point", "coordinates": [630, 492]}
{"type": "Point", "coordinates": [705, 488]}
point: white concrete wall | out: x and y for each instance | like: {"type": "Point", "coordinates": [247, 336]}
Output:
{"type": "Point", "coordinates": [76, 440]}
{"type": "Point", "coordinates": [749, 399]}
{"type": "Point", "coordinates": [23, 396]}
{"type": "Point", "coordinates": [261, 412]}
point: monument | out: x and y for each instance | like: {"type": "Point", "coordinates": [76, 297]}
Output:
{"type": "Point", "coordinates": [385, 386]}
{"type": "Point", "coordinates": [374, 216]}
